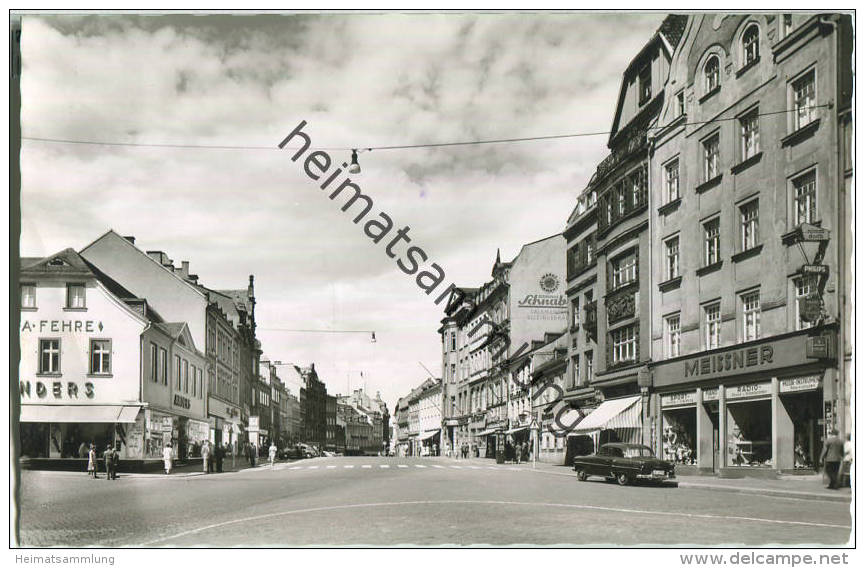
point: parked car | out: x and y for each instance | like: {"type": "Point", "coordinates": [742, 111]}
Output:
{"type": "Point", "coordinates": [625, 463]}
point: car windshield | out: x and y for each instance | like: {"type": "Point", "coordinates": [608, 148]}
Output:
{"type": "Point", "coordinates": [638, 452]}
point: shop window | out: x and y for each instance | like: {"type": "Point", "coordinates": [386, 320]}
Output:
{"type": "Point", "coordinates": [49, 356]}
{"type": "Point", "coordinates": [712, 325]}
{"type": "Point", "coordinates": [28, 296]}
{"type": "Point", "coordinates": [710, 158]}
{"type": "Point", "coordinates": [806, 413]}
{"type": "Point", "coordinates": [680, 435]}
{"type": "Point", "coordinates": [803, 95]}
{"type": "Point", "coordinates": [749, 222]}
{"type": "Point", "coordinates": [671, 181]}
{"type": "Point", "coordinates": [671, 252]}
{"type": "Point", "coordinates": [672, 335]}
{"type": "Point", "coordinates": [805, 198]}
{"type": "Point", "coordinates": [75, 296]}
{"type": "Point", "coordinates": [749, 132]}
{"type": "Point", "coordinates": [750, 315]}
{"type": "Point", "coordinates": [749, 434]}
{"type": "Point", "coordinates": [711, 241]}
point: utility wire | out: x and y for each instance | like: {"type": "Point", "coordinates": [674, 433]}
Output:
{"type": "Point", "coordinates": [395, 147]}
{"type": "Point", "coordinates": [317, 330]}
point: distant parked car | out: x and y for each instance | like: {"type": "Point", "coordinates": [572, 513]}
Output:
{"type": "Point", "coordinates": [327, 454]}
{"type": "Point", "coordinates": [625, 463]}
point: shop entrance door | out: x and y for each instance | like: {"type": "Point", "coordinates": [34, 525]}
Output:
{"type": "Point", "coordinates": [716, 440]}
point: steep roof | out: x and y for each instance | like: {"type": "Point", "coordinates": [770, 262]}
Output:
{"type": "Point", "coordinates": [672, 28]}
{"type": "Point", "coordinates": [66, 262]}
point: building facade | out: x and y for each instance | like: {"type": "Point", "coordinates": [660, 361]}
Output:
{"type": "Point", "coordinates": [749, 218]}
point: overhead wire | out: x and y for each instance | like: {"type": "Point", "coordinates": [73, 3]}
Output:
{"type": "Point", "coordinates": [393, 147]}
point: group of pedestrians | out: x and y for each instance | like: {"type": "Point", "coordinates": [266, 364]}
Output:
{"type": "Point", "coordinates": [837, 457]}
{"type": "Point", "coordinates": [111, 458]}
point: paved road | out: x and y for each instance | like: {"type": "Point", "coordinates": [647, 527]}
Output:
{"type": "Point", "coordinates": [391, 501]}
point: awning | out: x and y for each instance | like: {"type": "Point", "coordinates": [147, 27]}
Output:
{"type": "Point", "coordinates": [567, 421]}
{"type": "Point", "coordinates": [428, 435]}
{"type": "Point", "coordinates": [78, 413]}
{"type": "Point", "coordinates": [517, 429]}
{"type": "Point", "coordinates": [488, 432]}
{"type": "Point", "coordinates": [611, 415]}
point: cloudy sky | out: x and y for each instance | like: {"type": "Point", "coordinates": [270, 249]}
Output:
{"type": "Point", "coordinates": [360, 80]}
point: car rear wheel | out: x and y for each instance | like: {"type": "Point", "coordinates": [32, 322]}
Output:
{"type": "Point", "coordinates": [582, 475]}
{"type": "Point", "coordinates": [623, 479]}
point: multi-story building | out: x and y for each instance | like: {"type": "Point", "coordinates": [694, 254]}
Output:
{"type": "Point", "coordinates": [99, 365]}
{"type": "Point", "coordinates": [485, 328]}
{"type": "Point", "coordinates": [313, 409]}
{"type": "Point", "coordinates": [402, 443]}
{"type": "Point", "coordinates": [330, 423]}
{"type": "Point", "coordinates": [293, 421]}
{"type": "Point", "coordinates": [261, 431]}
{"type": "Point", "coordinates": [750, 217]}
{"type": "Point", "coordinates": [374, 409]}
{"type": "Point", "coordinates": [222, 322]}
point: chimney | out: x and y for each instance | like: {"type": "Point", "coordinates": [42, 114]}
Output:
{"type": "Point", "coordinates": [130, 238]}
{"type": "Point", "coordinates": [158, 256]}
{"type": "Point", "coordinates": [193, 278]}
{"type": "Point", "coordinates": [184, 269]}
{"type": "Point", "coordinates": [250, 291]}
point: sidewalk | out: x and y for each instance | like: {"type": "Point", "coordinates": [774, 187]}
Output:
{"type": "Point", "coordinates": [195, 469]}
{"type": "Point", "coordinates": [809, 487]}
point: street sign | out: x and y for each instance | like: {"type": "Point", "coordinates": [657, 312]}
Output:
{"type": "Point", "coordinates": [812, 233]}
{"type": "Point", "coordinates": [816, 269]}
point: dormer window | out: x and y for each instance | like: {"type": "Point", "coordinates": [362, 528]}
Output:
{"type": "Point", "coordinates": [645, 84]}
{"type": "Point", "coordinates": [750, 45]}
{"type": "Point", "coordinates": [711, 73]}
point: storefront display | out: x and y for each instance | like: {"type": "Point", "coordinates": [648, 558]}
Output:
{"type": "Point", "coordinates": [802, 400]}
{"type": "Point", "coordinates": [749, 433]}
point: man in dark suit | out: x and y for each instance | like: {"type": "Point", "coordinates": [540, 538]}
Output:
{"type": "Point", "coordinates": [110, 462]}
{"type": "Point", "coordinates": [833, 453]}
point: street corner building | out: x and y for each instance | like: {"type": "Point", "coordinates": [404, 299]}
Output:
{"type": "Point", "coordinates": [122, 347]}
{"type": "Point", "coordinates": [100, 366]}
{"type": "Point", "coordinates": [709, 256]}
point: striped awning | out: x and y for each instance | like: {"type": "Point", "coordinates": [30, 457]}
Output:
{"type": "Point", "coordinates": [619, 413]}
{"type": "Point", "coordinates": [488, 432]}
{"type": "Point", "coordinates": [428, 434]}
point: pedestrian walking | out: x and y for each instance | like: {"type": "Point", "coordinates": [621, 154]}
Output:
{"type": "Point", "coordinates": [518, 452]}
{"type": "Point", "coordinates": [833, 453]}
{"type": "Point", "coordinates": [92, 460]}
{"type": "Point", "coordinates": [108, 456]}
{"type": "Point", "coordinates": [524, 448]}
{"type": "Point", "coordinates": [166, 458]}
{"type": "Point", "coordinates": [271, 453]}
{"type": "Point", "coordinates": [847, 465]}
{"type": "Point", "coordinates": [252, 451]}
{"type": "Point", "coordinates": [219, 456]}
{"type": "Point", "coordinates": [205, 456]}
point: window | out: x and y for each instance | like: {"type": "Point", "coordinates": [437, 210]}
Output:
{"type": "Point", "coordinates": [710, 158]}
{"type": "Point", "coordinates": [75, 296]}
{"type": "Point", "coordinates": [575, 312]}
{"type": "Point", "coordinates": [645, 81]}
{"type": "Point", "coordinates": [639, 187]}
{"type": "Point", "coordinates": [589, 356]}
{"type": "Point", "coordinates": [749, 215]}
{"type": "Point", "coordinates": [194, 381]}
{"type": "Point", "coordinates": [28, 295]}
{"type": "Point", "coordinates": [185, 376]}
{"type": "Point", "coordinates": [712, 241]}
{"type": "Point", "coordinates": [177, 375]}
{"type": "Point", "coordinates": [804, 99]}
{"type": "Point", "coordinates": [712, 327]}
{"type": "Point", "coordinates": [749, 128]}
{"type": "Point", "coordinates": [750, 316]}
{"type": "Point", "coordinates": [199, 379]}
{"type": "Point", "coordinates": [750, 45]}
{"type": "Point", "coordinates": [453, 341]}
{"type": "Point", "coordinates": [624, 270]}
{"type": "Point", "coordinates": [671, 181]}
{"type": "Point", "coordinates": [672, 338]}
{"type": "Point", "coordinates": [49, 356]}
{"type": "Point", "coordinates": [786, 24]}
{"type": "Point", "coordinates": [620, 199]}
{"type": "Point", "coordinates": [712, 74]}
{"type": "Point", "coordinates": [100, 356]}
{"type": "Point", "coordinates": [672, 256]}
{"type": "Point", "coordinates": [575, 370]}
{"type": "Point", "coordinates": [590, 249]}
{"type": "Point", "coordinates": [680, 103]}
{"type": "Point", "coordinates": [805, 198]}
{"type": "Point", "coordinates": [805, 286]}
{"type": "Point", "coordinates": [154, 363]}
{"type": "Point", "coordinates": [163, 366]}
{"type": "Point", "coordinates": [624, 344]}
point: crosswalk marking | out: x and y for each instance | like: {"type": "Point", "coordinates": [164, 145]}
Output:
{"type": "Point", "coordinates": [419, 465]}
{"type": "Point", "coordinates": [402, 465]}
{"type": "Point", "coordinates": [366, 466]}
{"type": "Point", "coordinates": [475, 466]}
{"type": "Point", "coordinates": [383, 466]}
{"type": "Point", "coordinates": [295, 467]}
{"type": "Point", "coordinates": [457, 466]}
{"type": "Point", "coordinates": [348, 466]}
{"type": "Point", "coordinates": [439, 466]}
{"type": "Point", "coordinates": [331, 467]}
{"type": "Point", "coordinates": [312, 467]}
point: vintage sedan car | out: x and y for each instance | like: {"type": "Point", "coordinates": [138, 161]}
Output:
{"type": "Point", "coordinates": [625, 463]}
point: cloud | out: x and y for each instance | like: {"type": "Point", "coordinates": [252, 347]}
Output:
{"type": "Point", "coordinates": [359, 81]}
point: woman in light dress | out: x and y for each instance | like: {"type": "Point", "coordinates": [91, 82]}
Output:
{"type": "Point", "coordinates": [166, 457]}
